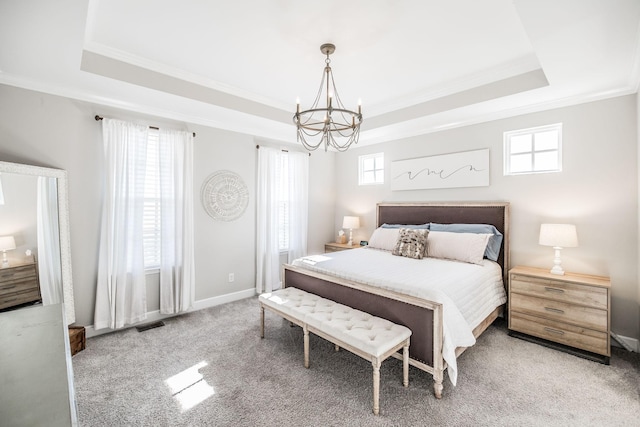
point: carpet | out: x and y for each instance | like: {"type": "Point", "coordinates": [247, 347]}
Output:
{"type": "Point", "coordinates": [210, 368]}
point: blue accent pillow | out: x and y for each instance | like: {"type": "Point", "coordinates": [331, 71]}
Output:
{"type": "Point", "coordinates": [495, 242]}
{"type": "Point", "coordinates": [411, 226]}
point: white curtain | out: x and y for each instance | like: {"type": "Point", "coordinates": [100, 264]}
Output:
{"type": "Point", "coordinates": [121, 294]}
{"type": "Point", "coordinates": [298, 204]}
{"type": "Point", "coordinates": [270, 194]}
{"type": "Point", "coordinates": [48, 231]}
{"type": "Point", "coordinates": [177, 268]}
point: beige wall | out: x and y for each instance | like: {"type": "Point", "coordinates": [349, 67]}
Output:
{"type": "Point", "coordinates": [597, 190]}
{"type": "Point", "coordinates": [52, 131]}
{"type": "Point", "coordinates": [638, 154]}
{"type": "Point", "coordinates": [18, 216]}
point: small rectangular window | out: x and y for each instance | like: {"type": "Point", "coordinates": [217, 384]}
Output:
{"type": "Point", "coordinates": [371, 169]}
{"type": "Point", "coordinates": [534, 150]}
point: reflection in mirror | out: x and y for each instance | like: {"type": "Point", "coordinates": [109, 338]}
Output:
{"type": "Point", "coordinates": [35, 214]}
{"type": "Point", "coordinates": [49, 264]}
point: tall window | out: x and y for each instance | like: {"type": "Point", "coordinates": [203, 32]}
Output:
{"type": "Point", "coordinates": [371, 169]}
{"type": "Point", "coordinates": [282, 204]}
{"type": "Point", "coordinates": [282, 175]}
{"type": "Point", "coordinates": [152, 213]}
{"type": "Point", "coordinates": [534, 150]}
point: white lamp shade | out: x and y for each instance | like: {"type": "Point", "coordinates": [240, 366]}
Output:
{"type": "Point", "coordinates": [351, 222]}
{"type": "Point", "coordinates": [558, 235]}
{"type": "Point", "coordinates": [7, 243]}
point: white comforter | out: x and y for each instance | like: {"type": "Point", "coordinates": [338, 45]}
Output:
{"type": "Point", "coordinates": [468, 292]}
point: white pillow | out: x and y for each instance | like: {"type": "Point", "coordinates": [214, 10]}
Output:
{"type": "Point", "coordinates": [465, 247]}
{"type": "Point", "coordinates": [384, 238]}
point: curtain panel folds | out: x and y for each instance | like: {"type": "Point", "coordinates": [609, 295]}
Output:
{"type": "Point", "coordinates": [121, 289]}
{"type": "Point", "coordinates": [280, 182]}
{"type": "Point", "coordinates": [177, 267]}
{"type": "Point", "coordinates": [49, 268]}
{"type": "Point", "coordinates": [121, 294]}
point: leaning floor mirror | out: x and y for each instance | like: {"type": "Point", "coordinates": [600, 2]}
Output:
{"type": "Point", "coordinates": [34, 238]}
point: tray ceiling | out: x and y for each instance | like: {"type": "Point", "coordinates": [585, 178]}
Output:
{"type": "Point", "coordinates": [418, 66]}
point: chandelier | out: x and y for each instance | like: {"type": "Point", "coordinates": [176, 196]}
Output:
{"type": "Point", "coordinates": [333, 124]}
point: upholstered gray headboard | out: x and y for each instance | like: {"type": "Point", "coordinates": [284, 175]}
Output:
{"type": "Point", "coordinates": [493, 213]}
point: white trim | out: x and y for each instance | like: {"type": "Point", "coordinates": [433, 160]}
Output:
{"type": "Point", "coordinates": [375, 157]}
{"type": "Point", "coordinates": [154, 316]}
{"type": "Point", "coordinates": [276, 131]}
{"type": "Point", "coordinates": [632, 343]}
{"type": "Point", "coordinates": [532, 131]}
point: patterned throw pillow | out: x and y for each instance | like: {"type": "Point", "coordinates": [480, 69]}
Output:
{"type": "Point", "coordinates": [411, 243]}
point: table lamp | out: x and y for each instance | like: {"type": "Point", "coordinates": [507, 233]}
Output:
{"type": "Point", "coordinates": [559, 236]}
{"type": "Point", "coordinates": [7, 243]}
{"type": "Point", "coordinates": [351, 222]}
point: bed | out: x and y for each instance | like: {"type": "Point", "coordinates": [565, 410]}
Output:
{"type": "Point", "coordinates": [427, 317]}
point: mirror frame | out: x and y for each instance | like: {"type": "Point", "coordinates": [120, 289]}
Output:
{"type": "Point", "coordinates": [63, 218]}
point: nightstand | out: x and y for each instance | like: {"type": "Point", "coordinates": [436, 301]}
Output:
{"type": "Point", "coordinates": [335, 247]}
{"type": "Point", "coordinates": [572, 310]}
{"type": "Point", "coordinates": [19, 284]}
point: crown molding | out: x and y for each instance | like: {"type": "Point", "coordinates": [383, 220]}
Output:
{"type": "Point", "coordinates": [429, 124]}
{"type": "Point", "coordinates": [233, 121]}
{"type": "Point", "coordinates": [272, 130]}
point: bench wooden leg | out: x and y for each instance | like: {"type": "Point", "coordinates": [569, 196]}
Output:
{"type": "Point", "coordinates": [261, 321]}
{"type": "Point", "coordinates": [306, 346]}
{"type": "Point", "coordinates": [437, 384]}
{"type": "Point", "coordinates": [376, 386]}
{"type": "Point", "coordinates": [405, 364]}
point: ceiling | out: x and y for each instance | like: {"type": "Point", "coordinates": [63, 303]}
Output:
{"type": "Point", "coordinates": [418, 66]}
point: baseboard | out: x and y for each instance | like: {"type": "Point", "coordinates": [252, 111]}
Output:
{"type": "Point", "coordinates": [154, 316]}
{"type": "Point", "coordinates": [628, 343]}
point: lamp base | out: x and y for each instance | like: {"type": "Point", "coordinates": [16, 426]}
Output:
{"type": "Point", "coordinates": [557, 270]}
{"type": "Point", "coordinates": [557, 262]}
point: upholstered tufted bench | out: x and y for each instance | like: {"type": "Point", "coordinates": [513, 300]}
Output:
{"type": "Point", "coordinates": [367, 336]}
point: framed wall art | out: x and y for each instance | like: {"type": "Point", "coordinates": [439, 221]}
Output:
{"type": "Point", "coordinates": [465, 169]}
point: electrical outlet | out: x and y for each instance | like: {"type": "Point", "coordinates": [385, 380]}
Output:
{"type": "Point", "coordinates": [232, 277]}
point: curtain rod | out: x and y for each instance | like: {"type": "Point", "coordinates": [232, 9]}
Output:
{"type": "Point", "coordinates": [98, 118]}
{"type": "Point", "coordinates": [286, 151]}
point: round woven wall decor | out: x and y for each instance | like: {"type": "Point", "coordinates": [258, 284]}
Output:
{"type": "Point", "coordinates": [224, 196]}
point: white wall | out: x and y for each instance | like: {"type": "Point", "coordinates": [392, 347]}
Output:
{"type": "Point", "coordinates": [597, 190]}
{"type": "Point", "coordinates": [18, 216]}
{"type": "Point", "coordinates": [52, 131]}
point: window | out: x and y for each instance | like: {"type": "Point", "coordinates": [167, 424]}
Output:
{"type": "Point", "coordinates": [371, 169]}
{"type": "Point", "coordinates": [151, 217]}
{"type": "Point", "coordinates": [534, 150]}
{"type": "Point", "coordinates": [282, 177]}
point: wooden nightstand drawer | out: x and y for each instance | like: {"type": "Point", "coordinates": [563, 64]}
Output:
{"type": "Point", "coordinates": [590, 296]}
{"type": "Point", "coordinates": [336, 247]}
{"type": "Point", "coordinates": [574, 336]}
{"type": "Point", "coordinates": [569, 313]}
{"type": "Point", "coordinates": [18, 286]}
{"type": "Point", "coordinates": [17, 298]}
{"type": "Point", "coordinates": [14, 274]}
